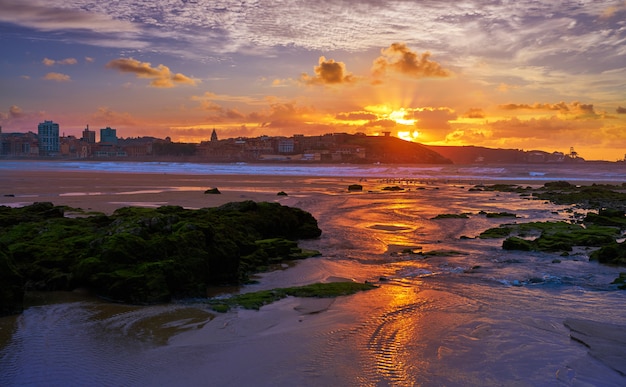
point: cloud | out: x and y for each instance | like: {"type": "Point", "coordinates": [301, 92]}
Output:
{"type": "Point", "coordinates": [384, 123]}
{"type": "Point", "coordinates": [89, 59]}
{"type": "Point", "coordinates": [434, 118]}
{"type": "Point", "coordinates": [50, 18]}
{"type": "Point", "coordinates": [574, 108]}
{"type": "Point", "coordinates": [356, 116]}
{"type": "Point", "coordinates": [16, 112]}
{"type": "Point", "coordinates": [52, 62]}
{"type": "Point", "coordinates": [399, 58]}
{"type": "Point", "coordinates": [611, 11]}
{"type": "Point", "coordinates": [108, 117]}
{"type": "Point", "coordinates": [620, 110]}
{"type": "Point", "coordinates": [328, 72]}
{"type": "Point", "coordinates": [474, 113]}
{"type": "Point", "coordinates": [552, 128]}
{"type": "Point", "coordinates": [58, 77]}
{"type": "Point", "coordinates": [161, 75]}
{"type": "Point", "coordinates": [16, 116]}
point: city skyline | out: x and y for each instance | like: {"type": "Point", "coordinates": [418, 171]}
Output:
{"type": "Point", "coordinates": [519, 75]}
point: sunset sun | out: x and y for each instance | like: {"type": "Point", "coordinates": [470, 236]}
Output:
{"type": "Point", "coordinates": [408, 135]}
{"type": "Point", "coordinates": [402, 117]}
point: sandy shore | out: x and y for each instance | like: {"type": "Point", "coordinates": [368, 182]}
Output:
{"type": "Point", "coordinates": [105, 192]}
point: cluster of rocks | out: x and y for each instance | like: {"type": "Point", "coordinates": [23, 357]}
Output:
{"type": "Point", "coordinates": [144, 255]}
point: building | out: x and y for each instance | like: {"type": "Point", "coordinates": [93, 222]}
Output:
{"type": "Point", "coordinates": [48, 134]}
{"type": "Point", "coordinates": [214, 136]}
{"type": "Point", "coordinates": [108, 135]}
{"type": "Point", "coordinates": [89, 136]}
{"type": "Point", "coordinates": [286, 145]}
{"type": "Point", "coordinates": [19, 144]}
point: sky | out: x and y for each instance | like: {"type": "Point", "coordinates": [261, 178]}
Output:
{"type": "Point", "coordinates": [520, 74]}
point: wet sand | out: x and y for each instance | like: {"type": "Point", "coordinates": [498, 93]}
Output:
{"type": "Point", "coordinates": [105, 192]}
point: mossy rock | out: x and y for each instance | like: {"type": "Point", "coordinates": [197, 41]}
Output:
{"type": "Point", "coordinates": [500, 215]}
{"type": "Point", "coordinates": [393, 188]}
{"type": "Point", "coordinates": [451, 216]}
{"type": "Point", "coordinates": [614, 253]}
{"type": "Point", "coordinates": [147, 255]}
{"type": "Point", "coordinates": [495, 232]}
{"type": "Point", "coordinates": [620, 281]}
{"type": "Point", "coordinates": [515, 243]}
{"type": "Point", "coordinates": [12, 288]}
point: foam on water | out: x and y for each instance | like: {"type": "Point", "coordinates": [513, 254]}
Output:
{"type": "Point", "coordinates": [534, 172]}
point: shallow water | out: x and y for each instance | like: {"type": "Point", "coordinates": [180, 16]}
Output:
{"type": "Point", "coordinates": [472, 315]}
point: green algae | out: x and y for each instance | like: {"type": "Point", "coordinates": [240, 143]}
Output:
{"type": "Point", "coordinates": [255, 300]}
{"type": "Point", "coordinates": [146, 255]}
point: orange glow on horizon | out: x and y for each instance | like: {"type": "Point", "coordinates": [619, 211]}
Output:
{"type": "Point", "coordinates": [408, 135]}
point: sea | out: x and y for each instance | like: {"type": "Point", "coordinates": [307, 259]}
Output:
{"type": "Point", "coordinates": [450, 309]}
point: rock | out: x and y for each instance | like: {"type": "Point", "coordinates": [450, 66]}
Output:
{"type": "Point", "coordinates": [212, 191]}
{"type": "Point", "coordinates": [146, 255]}
{"type": "Point", "coordinates": [355, 187]}
{"type": "Point", "coordinates": [12, 288]}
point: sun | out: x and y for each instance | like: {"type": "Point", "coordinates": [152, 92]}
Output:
{"type": "Point", "coordinates": [408, 135]}
{"type": "Point", "coordinates": [401, 117]}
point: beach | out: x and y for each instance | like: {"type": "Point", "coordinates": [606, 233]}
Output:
{"type": "Point", "coordinates": [469, 314]}
{"type": "Point", "coordinates": [107, 191]}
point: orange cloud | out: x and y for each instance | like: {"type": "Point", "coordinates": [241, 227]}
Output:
{"type": "Point", "coordinates": [575, 108]}
{"type": "Point", "coordinates": [384, 123]}
{"type": "Point", "coordinates": [110, 117]}
{"type": "Point", "coordinates": [546, 128]}
{"type": "Point", "coordinates": [57, 77]}
{"type": "Point", "coordinates": [328, 72]}
{"type": "Point", "coordinates": [436, 119]}
{"type": "Point", "coordinates": [161, 75]}
{"type": "Point", "coordinates": [356, 116]}
{"type": "Point", "coordinates": [610, 11]}
{"type": "Point", "coordinates": [51, 62]}
{"type": "Point", "coordinates": [16, 112]}
{"type": "Point", "coordinates": [474, 113]}
{"type": "Point", "coordinates": [399, 58]}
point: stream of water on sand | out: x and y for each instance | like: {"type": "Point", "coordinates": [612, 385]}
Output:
{"type": "Point", "coordinates": [472, 315]}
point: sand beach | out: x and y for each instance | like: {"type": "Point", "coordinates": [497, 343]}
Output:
{"type": "Point", "coordinates": [471, 314]}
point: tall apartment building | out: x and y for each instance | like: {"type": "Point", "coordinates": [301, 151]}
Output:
{"type": "Point", "coordinates": [89, 136]}
{"type": "Point", "coordinates": [48, 134]}
{"type": "Point", "coordinates": [108, 135]}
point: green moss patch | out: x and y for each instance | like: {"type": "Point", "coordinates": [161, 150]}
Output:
{"type": "Point", "coordinates": [256, 300]}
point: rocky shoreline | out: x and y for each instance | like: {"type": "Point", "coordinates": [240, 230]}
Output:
{"type": "Point", "coordinates": [145, 255]}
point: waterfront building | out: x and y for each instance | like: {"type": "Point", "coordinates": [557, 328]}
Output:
{"type": "Point", "coordinates": [108, 135]}
{"type": "Point", "coordinates": [48, 134]}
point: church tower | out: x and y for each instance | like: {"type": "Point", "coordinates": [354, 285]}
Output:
{"type": "Point", "coordinates": [214, 136]}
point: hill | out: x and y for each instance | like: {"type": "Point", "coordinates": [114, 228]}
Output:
{"type": "Point", "coordinates": [393, 150]}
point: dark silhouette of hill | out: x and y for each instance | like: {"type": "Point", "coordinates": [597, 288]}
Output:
{"type": "Point", "coordinates": [475, 154]}
{"type": "Point", "coordinates": [393, 150]}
